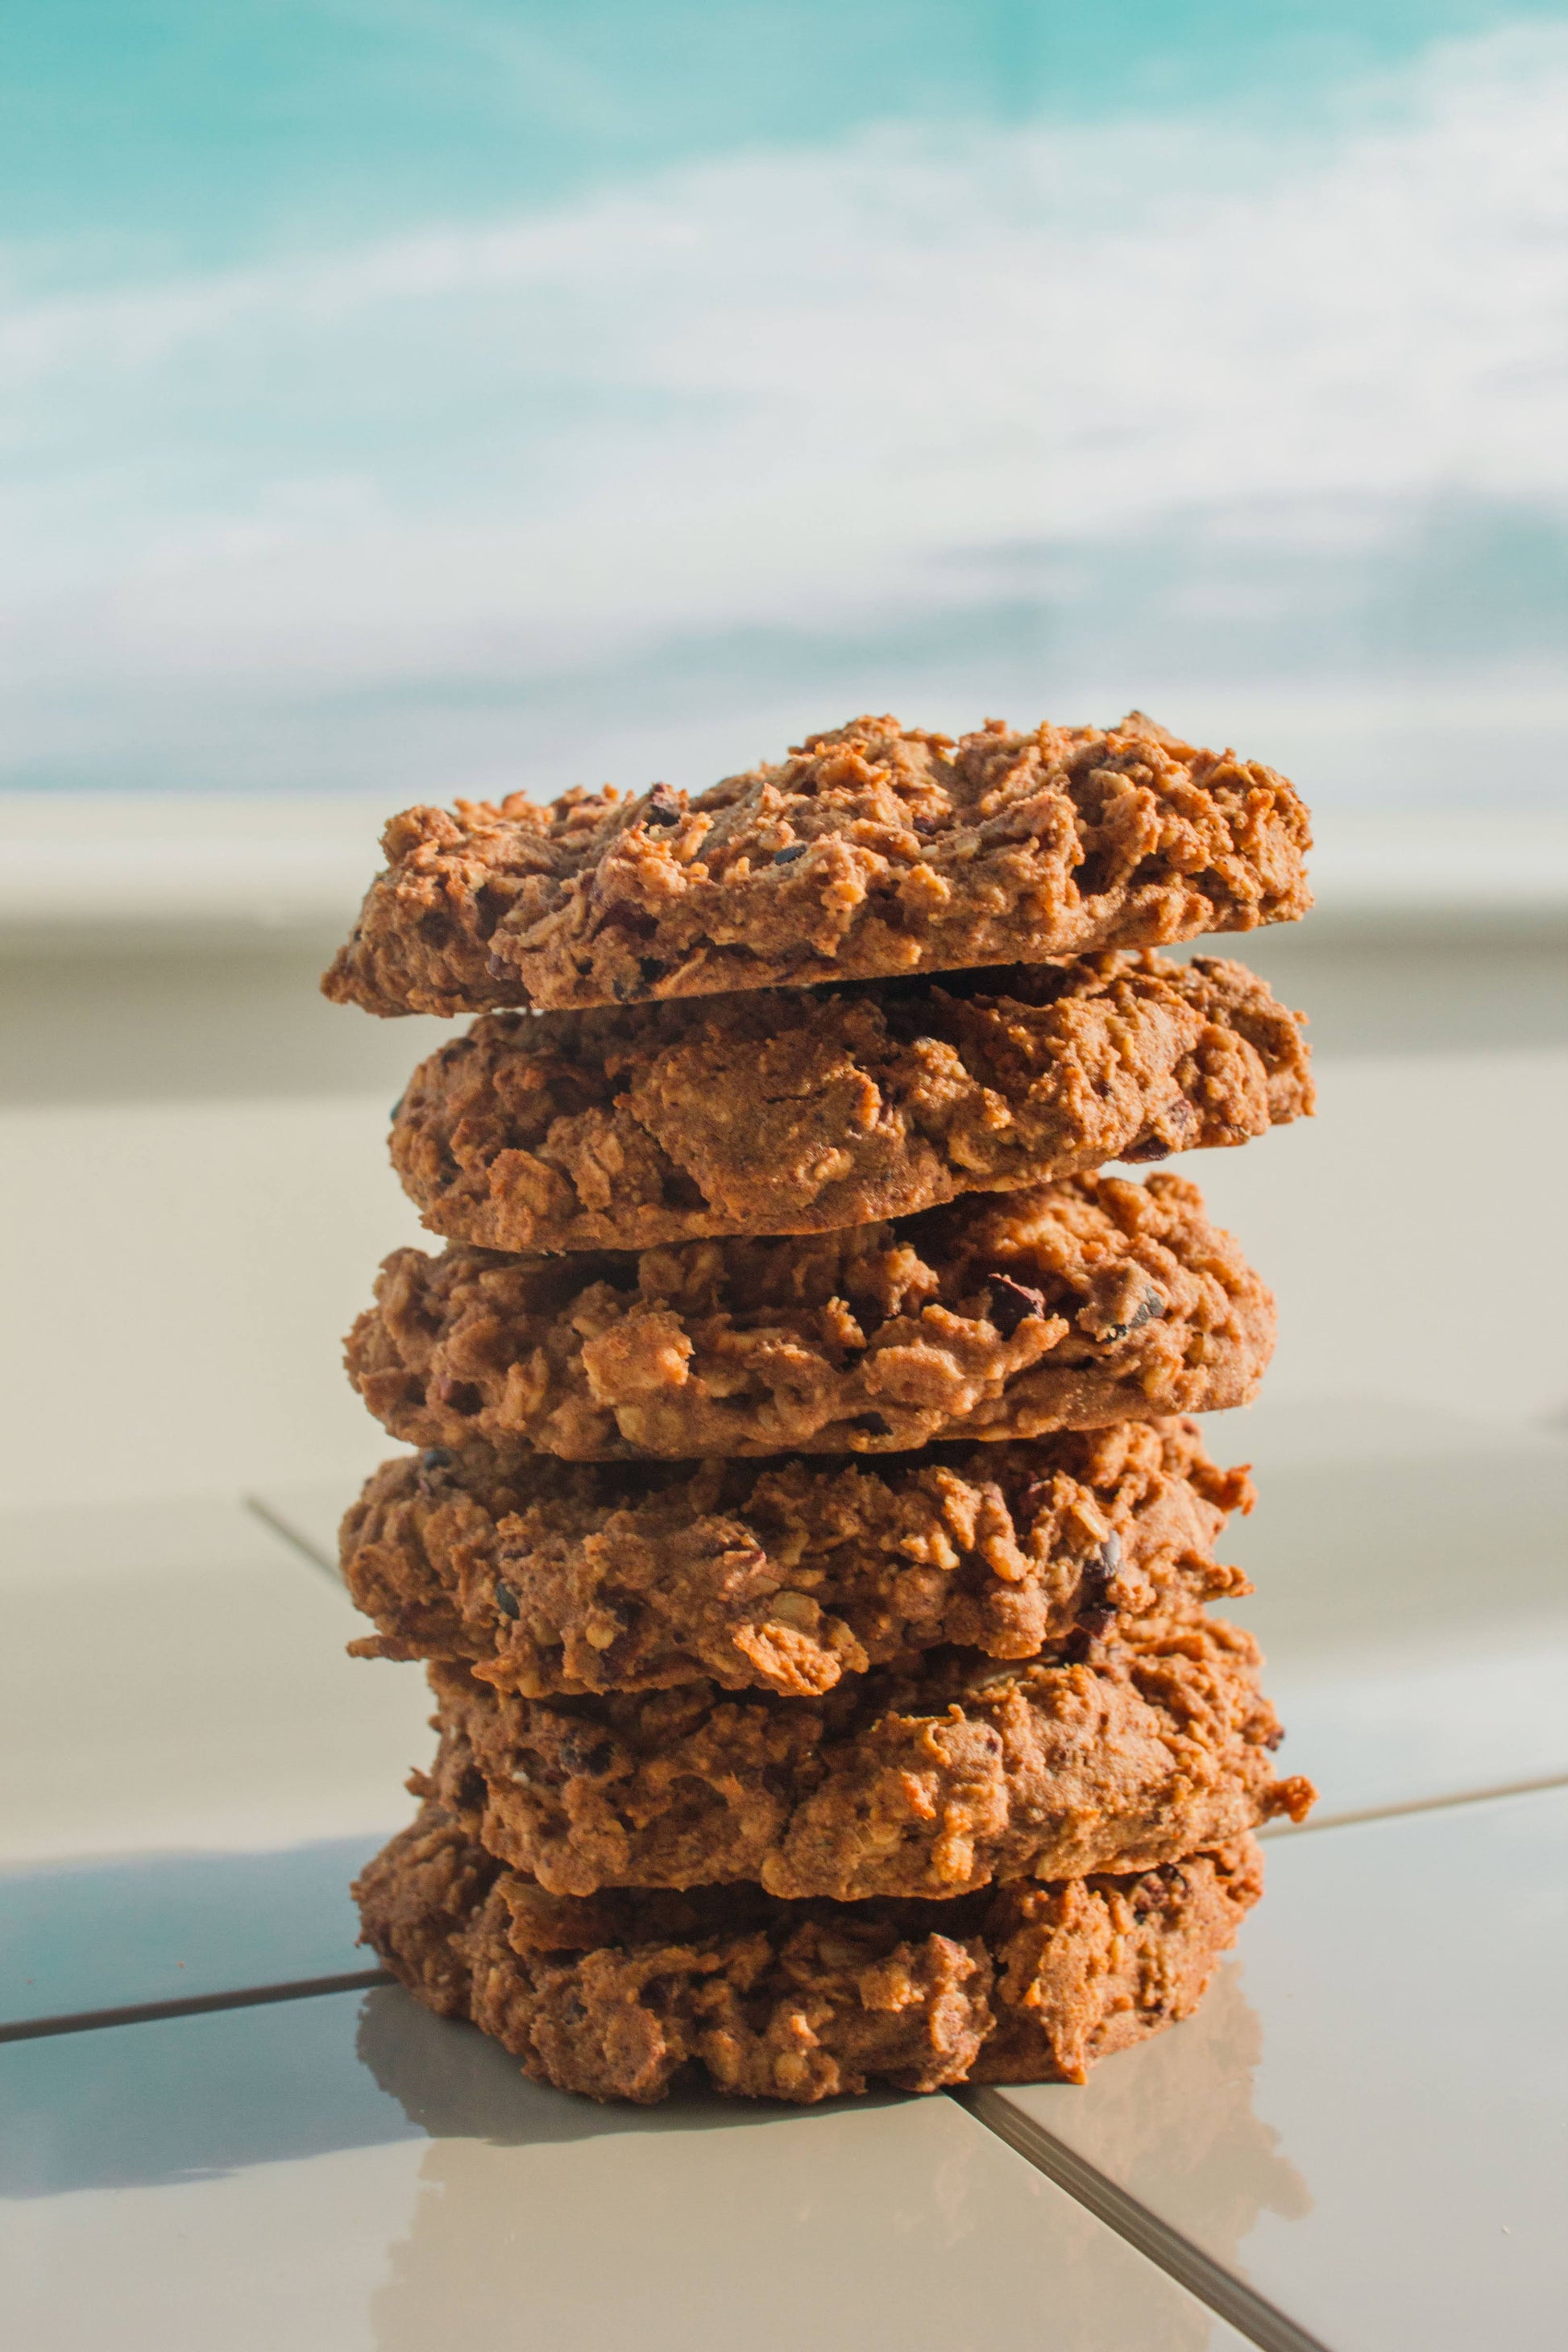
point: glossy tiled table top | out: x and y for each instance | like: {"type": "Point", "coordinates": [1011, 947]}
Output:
{"type": "Point", "coordinates": [185, 1798]}
{"type": "Point", "coordinates": [194, 1770]}
{"type": "Point", "coordinates": [161, 1927]}
{"type": "Point", "coordinates": [1364, 2122]}
{"type": "Point", "coordinates": [1412, 1600]}
{"type": "Point", "coordinates": [1355, 2131]}
{"type": "Point", "coordinates": [348, 2172]}
{"type": "Point", "coordinates": [210, 1701]}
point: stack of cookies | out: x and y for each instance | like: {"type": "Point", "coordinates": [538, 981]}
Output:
{"type": "Point", "coordinates": [809, 1543]}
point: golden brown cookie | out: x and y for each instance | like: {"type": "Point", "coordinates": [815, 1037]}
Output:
{"type": "Point", "coordinates": [619, 1996]}
{"type": "Point", "coordinates": [556, 1578]}
{"type": "Point", "coordinates": [872, 850]}
{"type": "Point", "coordinates": [800, 1111]}
{"type": "Point", "coordinates": [1115, 1755]}
{"type": "Point", "coordinates": [1064, 1306]}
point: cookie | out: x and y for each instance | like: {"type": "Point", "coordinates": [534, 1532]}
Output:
{"type": "Point", "coordinates": [1062, 1306]}
{"type": "Point", "coordinates": [1116, 1755]}
{"type": "Point", "coordinates": [553, 1577]}
{"type": "Point", "coordinates": [798, 1112]}
{"type": "Point", "coordinates": [621, 1996]}
{"type": "Point", "coordinates": [872, 850]}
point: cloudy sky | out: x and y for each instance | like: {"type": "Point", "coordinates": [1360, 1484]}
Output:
{"type": "Point", "coordinates": [428, 399]}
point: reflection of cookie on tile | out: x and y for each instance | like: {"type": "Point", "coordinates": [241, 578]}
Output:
{"type": "Point", "coordinates": [798, 1112]}
{"type": "Point", "coordinates": [872, 851]}
{"type": "Point", "coordinates": [618, 1995]}
{"type": "Point", "coordinates": [1189, 2116]}
{"type": "Point", "coordinates": [1116, 1756]}
{"type": "Point", "coordinates": [780, 1574]}
{"type": "Point", "coordinates": [1064, 1306]}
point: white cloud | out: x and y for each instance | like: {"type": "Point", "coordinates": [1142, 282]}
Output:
{"type": "Point", "coordinates": [781, 392]}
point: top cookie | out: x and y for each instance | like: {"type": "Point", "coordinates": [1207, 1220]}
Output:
{"type": "Point", "coordinates": [873, 849]}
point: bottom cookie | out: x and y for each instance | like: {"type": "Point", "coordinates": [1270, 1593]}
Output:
{"type": "Point", "coordinates": [615, 1995]}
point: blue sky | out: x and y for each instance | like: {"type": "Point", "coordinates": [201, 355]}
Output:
{"type": "Point", "coordinates": [420, 399]}
{"type": "Point", "coordinates": [168, 131]}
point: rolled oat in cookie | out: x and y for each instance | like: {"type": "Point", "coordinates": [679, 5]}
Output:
{"type": "Point", "coordinates": [803, 1111]}
{"type": "Point", "coordinates": [622, 1995]}
{"type": "Point", "coordinates": [1067, 1305]}
{"type": "Point", "coordinates": [1115, 1755]}
{"type": "Point", "coordinates": [872, 850]}
{"type": "Point", "coordinates": [550, 1578]}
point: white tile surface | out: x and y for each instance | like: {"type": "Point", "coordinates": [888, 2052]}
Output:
{"type": "Point", "coordinates": [200, 1698]}
{"type": "Point", "coordinates": [79, 1939]}
{"type": "Point", "coordinates": [307, 1515]}
{"type": "Point", "coordinates": [1412, 1230]}
{"type": "Point", "coordinates": [174, 1690]}
{"type": "Point", "coordinates": [245, 2180]}
{"type": "Point", "coordinates": [1365, 2120]}
{"type": "Point", "coordinates": [1412, 1574]}
{"type": "Point", "coordinates": [232, 1245]}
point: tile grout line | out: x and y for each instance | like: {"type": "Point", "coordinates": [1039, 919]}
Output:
{"type": "Point", "coordinates": [291, 1536]}
{"type": "Point", "coordinates": [202, 2004]}
{"type": "Point", "coordinates": [1276, 1834]}
{"type": "Point", "coordinates": [1257, 2319]}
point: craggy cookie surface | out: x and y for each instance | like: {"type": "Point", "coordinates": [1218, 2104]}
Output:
{"type": "Point", "coordinates": [618, 1995]}
{"type": "Point", "coordinates": [1063, 1306]}
{"type": "Point", "coordinates": [801, 1111]}
{"type": "Point", "coordinates": [784, 1575]}
{"type": "Point", "coordinates": [1119, 1756]}
{"type": "Point", "coordinates": [872, 850]}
